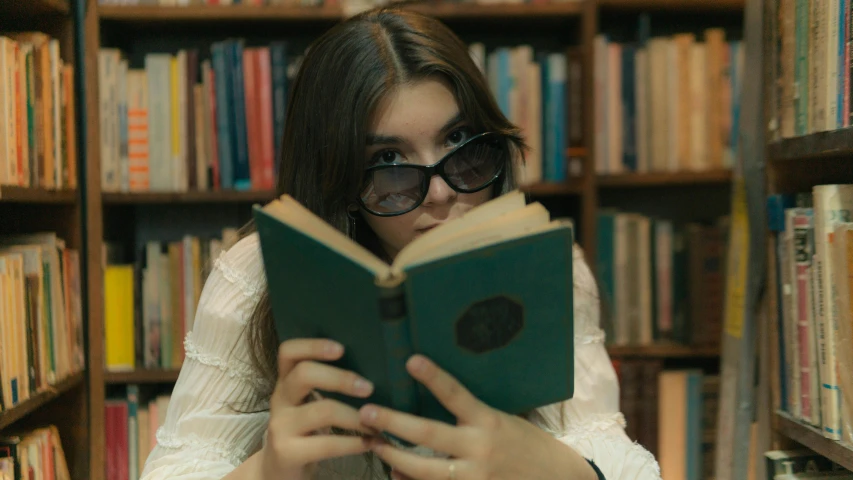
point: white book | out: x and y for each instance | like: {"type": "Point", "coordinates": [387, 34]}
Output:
{"type": "Point", "coordinates": [833, 8]}
{"type": "Point", "coordinates": [600, 96]}
{"type": "Point", "coordinates": [122, 126]}
{"type": "Point", "coordinates": [699, 109]}
{"type": "Point", "coordinates": [158, 67]}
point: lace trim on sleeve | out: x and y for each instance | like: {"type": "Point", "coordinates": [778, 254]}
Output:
{"type": "Point", "coordinates": [250, 289]}
{"type": "Point", "coordinates": [233, 369]}
{"type": "Point", "coordinates": [227, 450]}
{"type": "Point", "coordinates": [590, 337]}
{"type": "Point", "coordinates": [589, 425]}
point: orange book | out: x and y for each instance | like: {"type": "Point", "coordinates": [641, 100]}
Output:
{"type": "Point", "coordinates": [267, 181]}
{"type": "Point", "coordinates": [70, 124]}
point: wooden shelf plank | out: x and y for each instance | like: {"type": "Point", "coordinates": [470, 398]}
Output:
{"type": "Point", "coordinates": [812, 438]}
{"type": "Point", "coordinates": [27, 9]}
{"type": "Point", "coordinates": [836, 143]}
{"type": "Point", "coordinates": [446, 11]}
{"type": "Point", "coordinates": [261, 196]}
{"type": "Point", "coordinates": [640, 180]}
{"type": "Point", "coordinates": [142, 376]}
{"type": "Point", "coordinates": [662, 350]}
{"type": "Point", "coordinates": [576, 152]}
{"type": "Point", "coordinates": [36, 195]}
{"type": "Point", "coordinates": [12, 415]}
{"type": "Point", "coordinates": [554, 189]}
{"type": "Point", "coordinates": [674, 5]}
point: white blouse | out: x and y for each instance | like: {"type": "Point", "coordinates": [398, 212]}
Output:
{"type": "Point", "coordinates": [204, 438]}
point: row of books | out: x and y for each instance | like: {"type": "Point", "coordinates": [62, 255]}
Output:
{"type": "Point", "coordinates": [131, 425]}
{"type": "Point", "coordinates": [661, 281]}
{"type": "Point", "coordinates": [814, 285]}
{"type": "Point", "coordinates": [802, 464]}
{"type": "Point", "coordinates": [671, 412]}
{"type": "Point", "coordinates": [183, 123]}
{"type": "Point", "coordinates": [149, 305]}
{"type": "Point", "coordinates": [41, 324]}
{"type": "Point", "coordinates": [362, 4]}
{"type": "Point", "coordinates": [667, 104]}
{"type": "Point", "coordinates": [38, 128]}
{"type": "Point", "coordinates": [33, 454]}
{"type": "Point", "coordinates": [540, 92]}
{"type": "Point", "coordinates": [811, 66]}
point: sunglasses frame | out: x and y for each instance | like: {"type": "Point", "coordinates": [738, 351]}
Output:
{"type": "Point", "coordinates": [437, 168]}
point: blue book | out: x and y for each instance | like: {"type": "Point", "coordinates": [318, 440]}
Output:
{"type": "Point", "coordinates": [557, 85]}
{"type": "Point", "coordinates": [776, 206]}
{"type": "Point", "coordinates": [278, 60]}
{"type": "Point", "coordinates": [223, 114]}
{"type": "Point", "coordinates": [240, 147]}
{"type": "Point", "coordinates": [606, 268]}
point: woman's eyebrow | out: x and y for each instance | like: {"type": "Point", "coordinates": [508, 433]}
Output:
{"type": "Point", "coordinates": [374, 139]}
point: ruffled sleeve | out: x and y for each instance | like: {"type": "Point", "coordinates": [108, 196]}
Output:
{"type": "Point", "coordinates": [206, 433]}
{"type": "Point", "coordinates": [591, 422]}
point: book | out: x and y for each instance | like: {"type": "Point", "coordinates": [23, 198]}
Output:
{"type": "Point", "coordinates": [487, 297]}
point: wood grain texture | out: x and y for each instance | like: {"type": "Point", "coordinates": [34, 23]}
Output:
{"type": "Point", "coordinates": [18, 412]}
{"type": "Point", "coordinates": [836, 143]}
{"type": "Point", "coordinates": [232, 13]}
{"type": "Point", "coordinates": [188, 197]}
{"type": "Point", "coordinates": [812, 438]}
{"type": "Point", "coordinates": [639, 180]}
{"type": "Point", "coordinates": [36, 195]}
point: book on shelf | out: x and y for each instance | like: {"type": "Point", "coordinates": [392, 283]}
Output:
{"type": "Point", "coordinates": [812, 235]}
{"type": "Point", "coordinates": [211, 120]}
{"type": "Point", "coordinates": [666, 104]}
{"type": "Point", "coordinates": [131, 424]}
{"type": "Point", "coordinates": [798, 461]}
{"type": "Point", "coordinates": [149, 304]}
{"type": "Point", "coordinates": [41, 324]}
{"type": "Point", "coordinates": [811, 91]}
{"type": "Point", "coordinates": [660, 281]}
{"type": "Point", "coordinates": [35, 453]}
{"type": "Point", "coordinates": [37, 96]}
{"type": "Point", "coordinates": [515, 312]}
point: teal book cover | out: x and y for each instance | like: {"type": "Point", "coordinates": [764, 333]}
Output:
{"type": "Point", "coordinates": [496, 315]}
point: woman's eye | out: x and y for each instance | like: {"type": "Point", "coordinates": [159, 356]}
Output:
{"type": "Point", "coordinates": [458, 136]}
{"type": "Point", "coordinates": [386, 156]}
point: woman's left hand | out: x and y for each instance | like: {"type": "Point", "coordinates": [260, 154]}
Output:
{"type": "Point", "coordinates": [485, 444]}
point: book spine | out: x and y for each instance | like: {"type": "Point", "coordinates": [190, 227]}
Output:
{"type": "Point", "coordinates": [398, 348]}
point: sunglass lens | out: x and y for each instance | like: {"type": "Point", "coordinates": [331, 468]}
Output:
{"type": "Point", "coordinates": [476, 163]}
{"type": "Point", "coordinates": [392, 190]}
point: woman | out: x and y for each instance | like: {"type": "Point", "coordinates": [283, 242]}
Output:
{"type": "Point", "coordinates": [387, 87]}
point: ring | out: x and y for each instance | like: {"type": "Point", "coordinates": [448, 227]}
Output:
{"type": "Point", "coordinates": [452, 469]}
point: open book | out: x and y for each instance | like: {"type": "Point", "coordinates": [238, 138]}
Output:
{"type": "Point", "coordinates": [487, 296]}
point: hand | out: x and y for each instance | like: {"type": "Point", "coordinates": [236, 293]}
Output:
{"type": "Point", "coordinates": [485, 444]}
{"type": "Point", "coordinates": [298, 432]}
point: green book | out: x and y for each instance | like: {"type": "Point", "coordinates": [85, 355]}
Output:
{"type": "Point", "coordinates": [487, 296]}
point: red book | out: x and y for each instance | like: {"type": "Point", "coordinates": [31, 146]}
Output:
{"type": "Point", "coordinates": [250, 69]}
{"type": "Point", "coordinates": [266, 120]}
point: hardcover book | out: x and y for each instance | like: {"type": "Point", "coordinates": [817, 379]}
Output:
{"type": "Point", "coordinates": [487, 296]}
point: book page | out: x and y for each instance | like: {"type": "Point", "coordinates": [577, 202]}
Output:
{"type": "Point", "coordinates": [294, 214]}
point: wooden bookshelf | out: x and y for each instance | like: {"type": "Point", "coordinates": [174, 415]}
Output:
{"type": "Point", "coordinates": [445, 11]}
{"type": "Point", "coordinates": [187, 197]}
{"type": "Point", "coordinates": [662, 351]}
{"type": "Point", "coordinates": [142, 376]}
{"type": "Point", "coordinates": [812, 438]}
{"type": "Point", "coordinates": [36, 195]}
{"type": "Point", "coordinates": [836, 143]}
{"type": "Point", "coordinates": [8, 417]}
{"type": "Point", "coordinates": [554, 188]}
{"type": "Point", "coordinates": [674, 5]}
{"type": "Point", "coordinates": [32, 8]}
{"type": "Point", "coordinates": [643, 180]}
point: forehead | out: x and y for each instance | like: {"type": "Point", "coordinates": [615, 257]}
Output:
{"type": "Point", "coordinates": [416, 108]}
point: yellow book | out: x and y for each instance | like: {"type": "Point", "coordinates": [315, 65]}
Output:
{"type": "Point", "coordinates": [175, 110]}
{"type": "Point", "coordinates": [118, 318]}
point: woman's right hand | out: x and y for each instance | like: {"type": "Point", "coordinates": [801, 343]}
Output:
{"type": "Point", "coordinates": [297, 435]}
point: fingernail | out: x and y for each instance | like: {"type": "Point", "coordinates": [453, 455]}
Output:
{"type": "Point", "coordinates": [369, 413]}
{"type": "Point", "coordinates": [334, 348]}
{"type": "Point", "coordinates": [417, 364]}
{"type": "Point", "coordinates": [362, 386]}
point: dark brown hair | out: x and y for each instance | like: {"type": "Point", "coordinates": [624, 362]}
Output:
{"type": "Point", "coordinates": [343, 77]}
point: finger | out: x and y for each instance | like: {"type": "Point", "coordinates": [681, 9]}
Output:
{"type": "Point", "coordinates": [429, 433]}
{"type": "Point", "coordinates": [291, 352]}
{"type": "Point", "coordinates": [325, 413]}
{"type": "Point", "coordinates": [447, 390]}
{"type": "Point", "coordinates": [321, 447]}
{"type": "Point", "coordinates": [309, 375]}
{"type": "Point", "coordinates": [414, 465]}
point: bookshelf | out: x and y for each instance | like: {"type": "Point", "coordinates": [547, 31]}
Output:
{"type": "Point", "coordinates": [812, 438]}
{"type": "Point", "coordinates": [111, 217]}
{"type": "Point", "coordinates": [47, 201]}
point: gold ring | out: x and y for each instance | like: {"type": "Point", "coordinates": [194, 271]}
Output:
{"type": "Point", "coordinates": [452, 469]}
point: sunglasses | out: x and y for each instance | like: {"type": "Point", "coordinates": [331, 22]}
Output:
{"type": "Point", "coordinates": [396, 189]}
